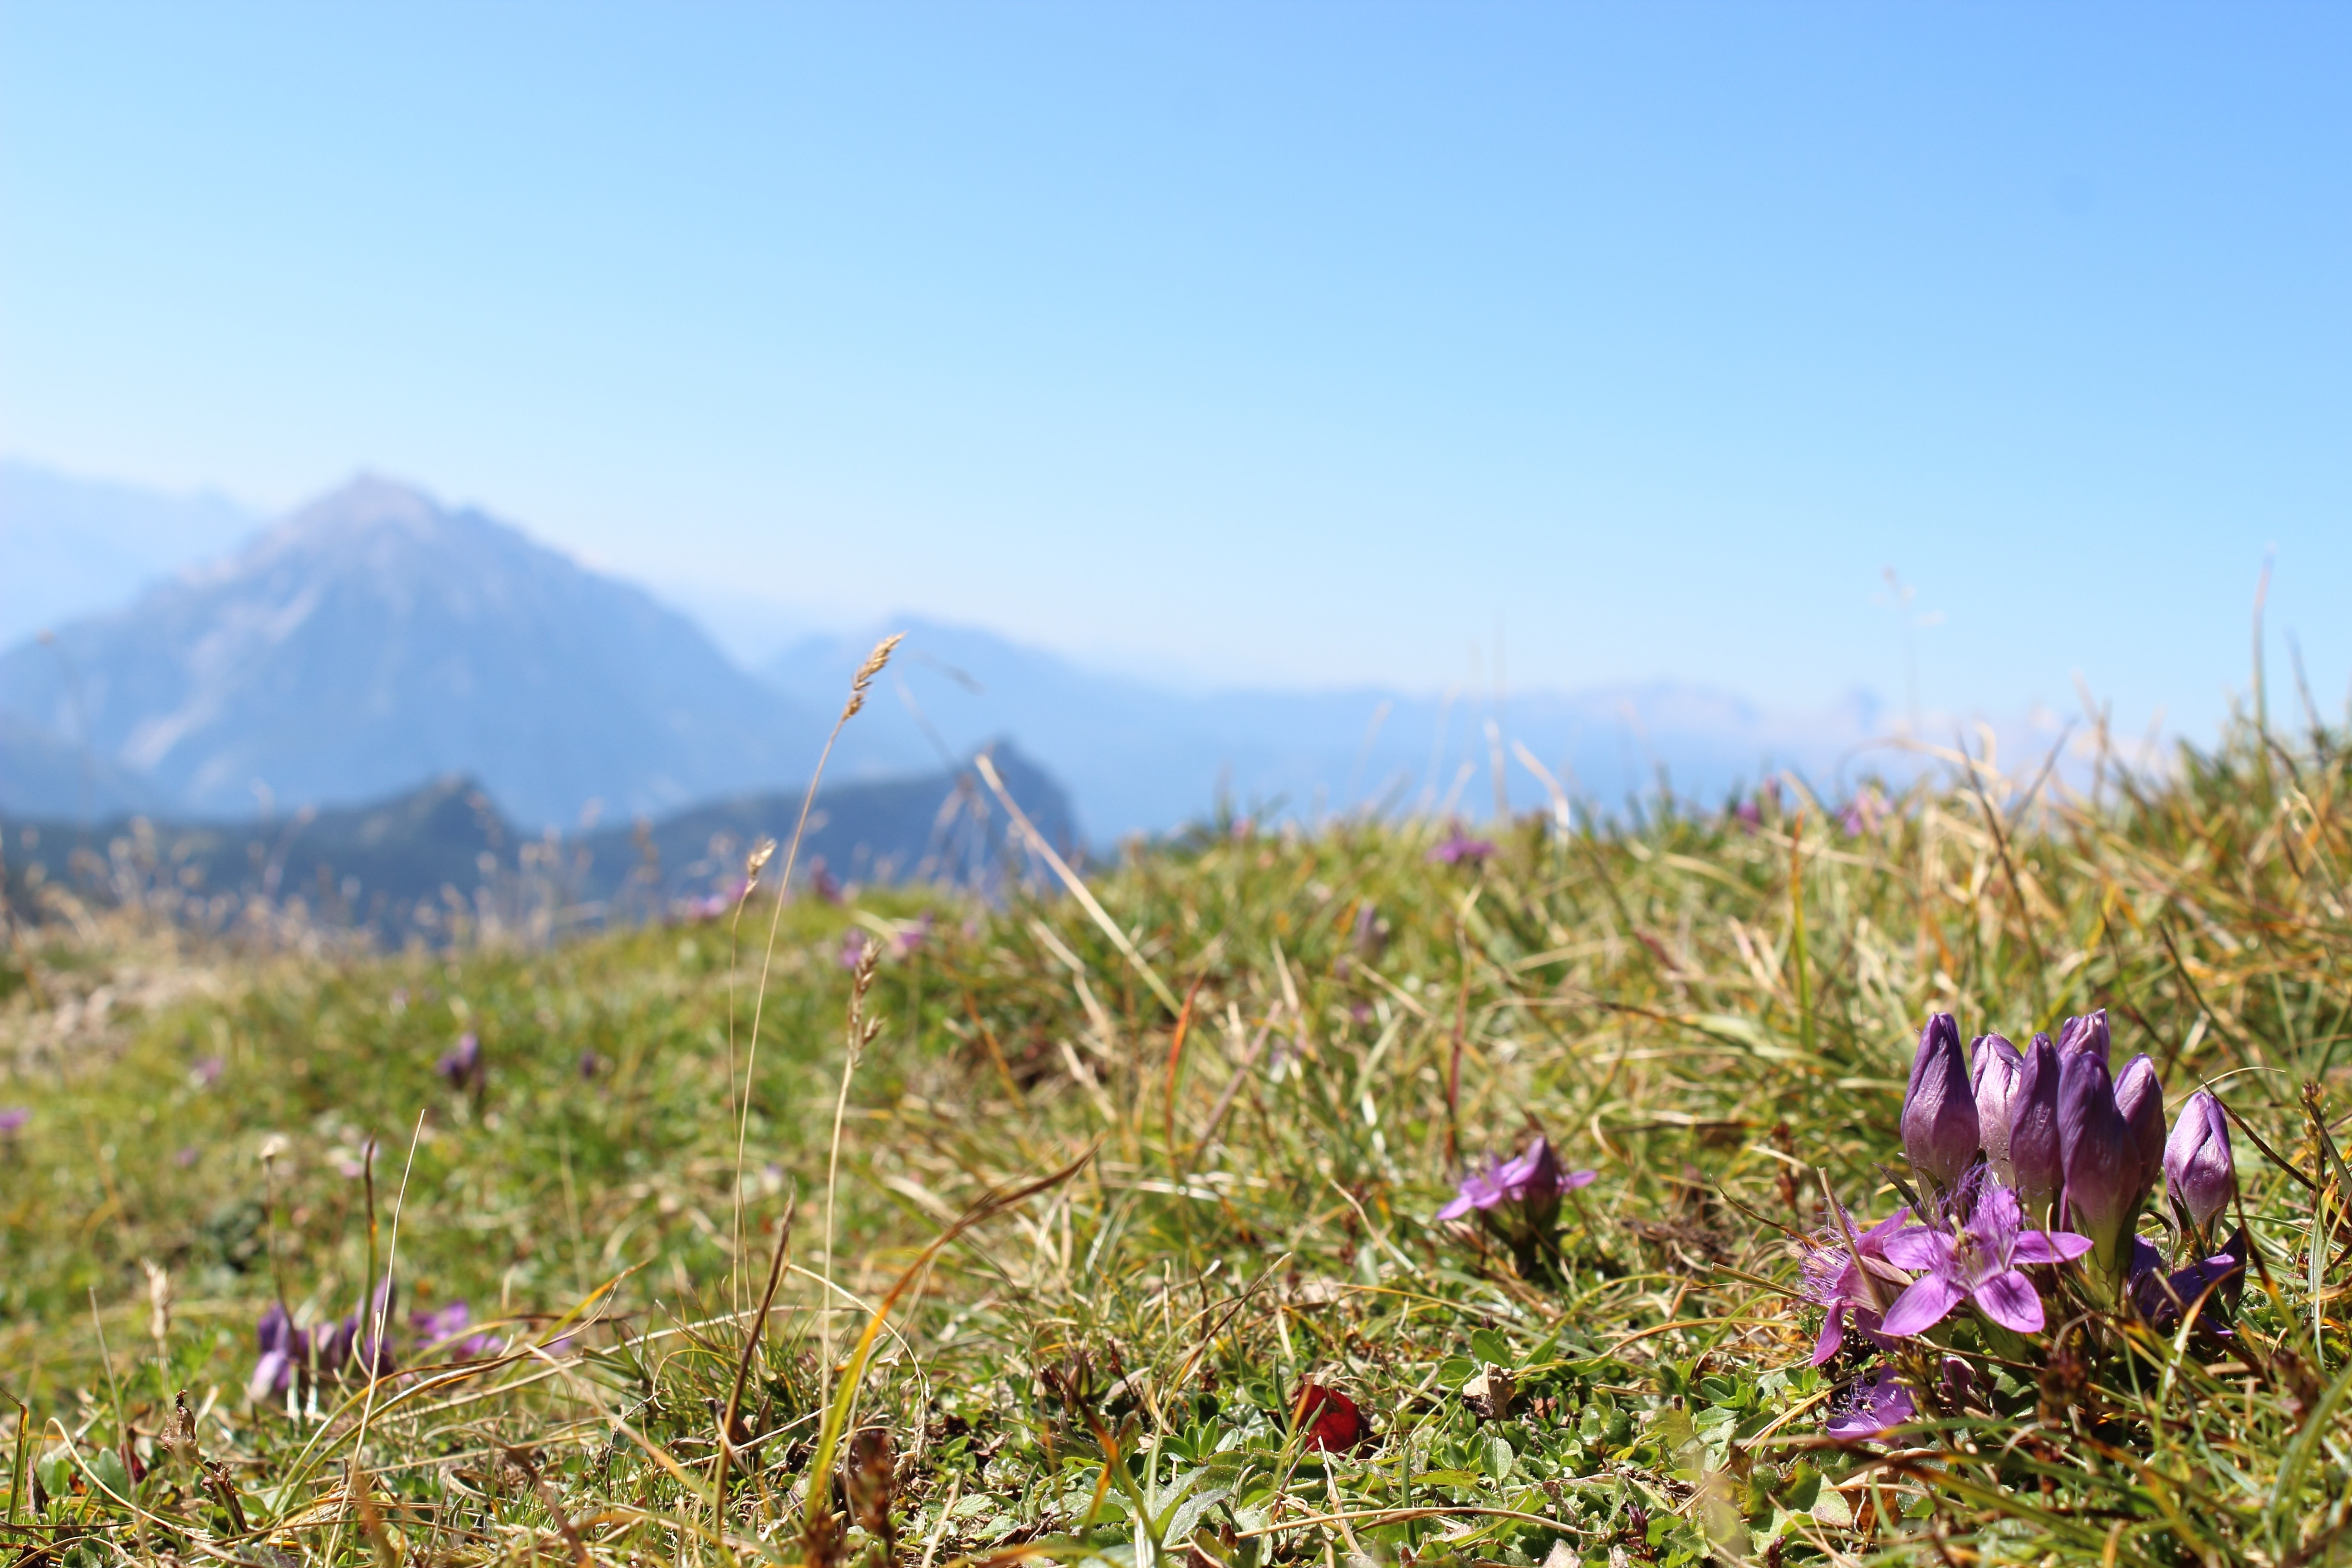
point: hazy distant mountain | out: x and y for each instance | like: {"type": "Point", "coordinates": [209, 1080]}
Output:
{"type": "Point", "coordinates": [1137, 758]}
{"type": "Point", "coordinates": [72, 547]}
{"type": "Point", "coordinates": [375, 639]}
{"type": "Point", "coordinates": [400, 865]}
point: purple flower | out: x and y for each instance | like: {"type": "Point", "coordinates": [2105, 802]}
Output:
{"type": "Point", "coordinates": [2086, 1033]}
{"type": "Point", "coordinates": [441, 1328]}
{"type": "Point", "coordinates": [2101, 1154]}
{"type": "Point", "coordinates": [461, 1063]}
{"type": "Point", "coordinates": [1370, 933]}
{"type": "Point", "coordinates": [1993, 1080]}
{"type": "Point", "coordinates": [1852, 1282]}
{"type": "Point", "coordinates": [2198, 1169]}
{"type": "Point", "coordinates": [1879, 1404]}
{"type": "Point", "coordinates": [208, 1071]}
{"type": "Point", "coordinates": [1978, 1263]}
{"type": "Point", "coordinates": [13, 1119]}
{"type": "Point", "coordinates": [355, 1341]}
{"type": "Point", "coordinates": [910, 938]}
{"type": "Point", "coordinates": [2036, 1154]}
{"type": "Point", "coordinates": [591, 1064]}
{"type": "Point", "coordinates": [852, 948]}
{"type": "Point", "coordinates": [2140, 1097]}
{"type": "Point", "coordinates": [284, 1348]}
{"type": "Point", "coordinates": [1459, 847]}
{"type": "Point", "coordinates": [1529, 1181]}
{"type": "Point", "coordinates": [826, 885]}
{"type": "Point", "coordinates": [1939, 1110]}
{"type": "Point", "coordinates": [2160, 1298]}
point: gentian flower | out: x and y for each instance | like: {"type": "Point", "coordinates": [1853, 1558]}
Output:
{"type": "Point", "coordinates": [442, 1327]}
{"type": "Point", "coordinates": [1976, 1263]}
{"type": "Point", "coordinates": [284, 1348]}
{"type": "Point", "coordinates": [461, 1063]}
{"type": "Point", "coordinates": [1518, 1201]}
{"type": "Point", "coordinates": [1841, 1279]}
{"type": "Point", "coordinates": [1992, 1080]}
{"type": "Point", "coordinates": [2140, 1097]}
{"type": "Point", "coordinates": [354, 1342]}
{"type": "Point", "coordinates": [2101, 1156]}
{"type": "Point", "coordinates": [1460, 846]}
{"type": "Point", "coordinates": [2160, 1298]}
{"type": "Point", "coordinates": [2036, 1158]}
{"type": "Point", "coordinates": [1939, 1110]}
{"type": "Point", "coordinates": [2086, 1033]}
{"type": "Point", "coordinates": [2198, 1169]}
{"type": "Point", "coordinates": [1880, 1402]}
{"type": "Point", "coordinates": [591, 1064]}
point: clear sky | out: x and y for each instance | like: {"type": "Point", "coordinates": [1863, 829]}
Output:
{"type": "Point", "coordinates": [1276, 344]}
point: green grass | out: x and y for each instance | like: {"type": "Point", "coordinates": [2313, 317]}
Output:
{"type": "Point", "coordinates": [1705, 1012]}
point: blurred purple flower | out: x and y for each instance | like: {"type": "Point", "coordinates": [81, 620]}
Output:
{"type": "Point", "coordinates": [14, 1118]}
{"type": "Point", "coordinates": [1979, 1264]}
{"type": "Point", "coordinates": [207, 1071]}
{"type": "Point", "coordinates": [1369, 935]}
{"type": "Point", "coordinates": [187, 1157]}
{"type": "Point", "coordinates": [1459, 847]}
{"type": "Point", "coordinates": [1841, 1279]}
{"type": "Point", "coordinates": [2198, 1169]}
{"type": "Point", "coordinates": [591, 1064]}
{"type": "Point", "coordinates": [1939, 1110]}
{"type": "Point", "coordinates": [823, 882]}
{"type": "Point", "coordinates": [354, 1342]}
{"type": "Point", "coordinates": [461, 1063]}
{"type": "Point", "coordinates": [852, 948]}
{"type": "Point", "coordinates": [910, 938]}
{"type": "Point", "coordinates": [399, 999]}
{"type": "Point", "coordinates": [442, 1328]}
{"type": "Point", "coordinates": [284, 1348]}
{"type": "Point", "coordinates": [1862, 813]}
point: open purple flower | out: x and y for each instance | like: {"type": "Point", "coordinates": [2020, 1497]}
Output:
{"type": "Point", "coordinates": [2198, 1169]}
{"type": "Point", "coordinates": [1851, 1283]}
{"type": "Point", "coordinates": [1879, 1403]}
{"type": "Point", "coordinates": [2160, 1298]}
{"type": "Point", "coordinates": [1939, 1110]}
{"type": "Point", "coordinates": [1459, 847]}
{"type": "Point", "coordinates": [1529, 1181]}
{"type": "Point", "coordinates": [1979, 1264]}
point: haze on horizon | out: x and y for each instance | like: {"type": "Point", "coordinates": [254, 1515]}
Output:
{"type": "Point", "coordinates": [1285, 346]}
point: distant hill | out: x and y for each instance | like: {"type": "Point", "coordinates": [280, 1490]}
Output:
{"type": "Point", "coordinates": [73, 547]}
{"type": "Point", "coordinates": [403, 866]}
{"type": "Point", "coordinates": [376, 637]}
{"type": "Point", "coordinates": [1141, 758]}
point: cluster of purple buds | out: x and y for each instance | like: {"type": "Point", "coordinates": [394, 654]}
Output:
{"type": "Point", "coordinates": [2073, 1141]}
{"type": "Point", "coordinates": [1517, 1200]}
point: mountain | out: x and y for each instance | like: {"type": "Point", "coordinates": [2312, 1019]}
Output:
{"type": "Point", "coordinates": [402, 865]}
{"type": "Point", "coordinates": [376, 638]}
{"type": "Point", "coordinates": [74, 547]}
{"type": "Point", "coordinates": [1141, 757]}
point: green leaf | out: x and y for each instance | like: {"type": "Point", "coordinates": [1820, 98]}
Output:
{"type": "Point", "coordinates": [1498, 1457]}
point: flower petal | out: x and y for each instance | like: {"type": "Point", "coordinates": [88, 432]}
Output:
{"type": "Point", "coordinates": [1461, 1206]}
{"type": "Point", "coordinates": [2049, 1247]}
{"type": "Point", "coordinates": [1918, 1247]}
{"type": "Point", "coordinates": [1921, 1306]}
{"type": "Point", "coordinates": [1576, 1179]}
{"type": "Point", "coordinates": [2010, 1300]}
{"type": "Point", "coordinates": [1833, 1339]}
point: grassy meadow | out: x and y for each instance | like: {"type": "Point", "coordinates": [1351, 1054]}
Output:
{"type": "Point", "coordinates": [1113, 1237]}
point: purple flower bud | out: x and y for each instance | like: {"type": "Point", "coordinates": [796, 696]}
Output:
{"type": "Point", "coordinates": [2198, 1169]}
{"type": "Point", "coordinates": [1939, 1112]}
{"type": "Point", "coordinates": [2086, 1033]}
{"type": "Point", "coordinates": [2036, 1161]}
{"type": "Point", "coordinates": [461, 1063]}
{"type": "Point", "coordinates": [1993, 1079]}
{"type": "Point", "coordinates": [2140, 1097]}
{"type": "Point", "coordinates": [2101, 1156]}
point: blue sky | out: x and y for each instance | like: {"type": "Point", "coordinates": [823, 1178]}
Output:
{"type": "Point", "coordinates": [1280, 345]}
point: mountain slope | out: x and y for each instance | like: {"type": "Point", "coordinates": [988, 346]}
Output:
{"type": "Point", "coordinates": [376, 638]}
{"type": "Point", "coordinates": [1137, 758]}
{"type": "Point", "coordinates": [75, 547]}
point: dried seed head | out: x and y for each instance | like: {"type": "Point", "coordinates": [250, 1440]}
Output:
{"type": "Point", "coordinates": [868, 671]}
{"type": "Point", "coordinates": [159, 1302]}
{"type": "Point", "coordinates": [762, 853]}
